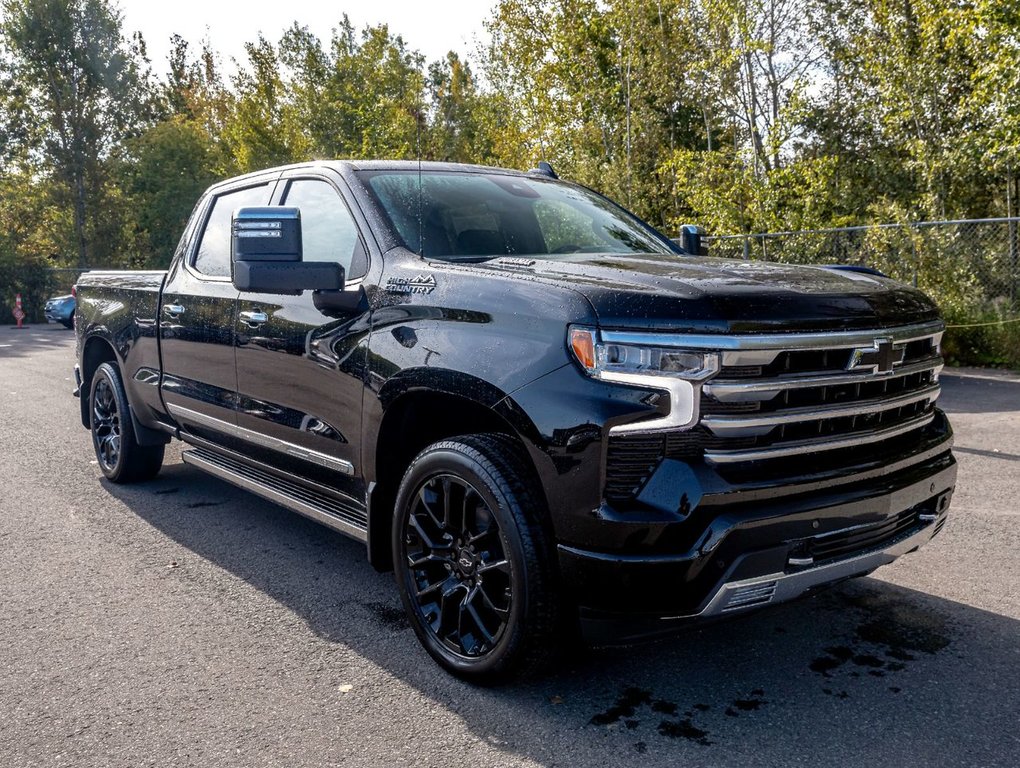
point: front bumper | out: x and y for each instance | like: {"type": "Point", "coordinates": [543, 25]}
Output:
{"type": "Point", "coordinates": [763, 552]}
{"type": "Point", "coordinates": [782, 586]}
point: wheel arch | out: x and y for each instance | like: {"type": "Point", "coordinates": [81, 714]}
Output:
{"type": "Point", "coordinates": [413, 420]}
{"type": "Point", "coordinates": [96, 351]}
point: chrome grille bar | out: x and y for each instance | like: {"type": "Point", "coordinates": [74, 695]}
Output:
{"type": "Point", "coordinates": [776, 341]}
{"type": "Point", "coordinates": [758, 424]}
{"type": "Point", "coordinates": [826, 443]}
{"type": "Point", "coordinates": [743, 390]}
{"type": "Point", "coordinates": [786, 396]}
{"type": "Point", "coordinates": [850, 408]}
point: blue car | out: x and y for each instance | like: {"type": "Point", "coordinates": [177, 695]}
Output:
{"type": "Point", "coordinates": [60, 309]}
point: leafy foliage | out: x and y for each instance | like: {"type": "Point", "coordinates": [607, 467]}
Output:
{"type": "Point", "coordinates": [82, 92]}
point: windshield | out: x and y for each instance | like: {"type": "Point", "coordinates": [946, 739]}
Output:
{"type": "Point", "coordinates": [476, 216]}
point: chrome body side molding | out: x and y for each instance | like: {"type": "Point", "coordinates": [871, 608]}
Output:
{"type": "Point", "coordinates": [264, 441]}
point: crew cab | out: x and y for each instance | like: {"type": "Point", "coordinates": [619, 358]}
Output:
{"type": "Point", "coordinates": [538, 411]}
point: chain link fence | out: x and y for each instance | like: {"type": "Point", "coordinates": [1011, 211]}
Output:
{"type": "Point", "coordinates": [971, 268]}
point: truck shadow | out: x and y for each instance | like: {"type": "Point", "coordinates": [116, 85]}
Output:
{"type": "Point", "coordinates": [867, 671]}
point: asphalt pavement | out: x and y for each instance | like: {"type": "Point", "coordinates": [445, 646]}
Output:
{"type": "Point", "coordinates": [185, 622]}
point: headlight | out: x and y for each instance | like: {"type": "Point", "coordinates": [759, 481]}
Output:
{"type": "Point", "coordinates": [599, 358]}
{"type": "Point", "coordinates": [676, 371]}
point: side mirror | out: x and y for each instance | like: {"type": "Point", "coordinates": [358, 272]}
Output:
{"type": "Point", "coordinates": [265, 247]}
{"type": "Point", "coordinates": [692, 240]}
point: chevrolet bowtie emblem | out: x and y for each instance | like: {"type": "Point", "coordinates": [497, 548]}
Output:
{"type": "Point", "coordinates": [882, 357]}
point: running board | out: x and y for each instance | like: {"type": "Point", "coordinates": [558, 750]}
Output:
{"type": "Point", "coordinates": [319, 507]}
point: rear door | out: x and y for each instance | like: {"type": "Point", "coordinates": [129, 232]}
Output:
{"type": "Point", "coordinates": [300, 369]}
{"type": "Point", "coordinates": [198, 318]}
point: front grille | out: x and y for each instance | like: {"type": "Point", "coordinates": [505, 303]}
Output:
{"type": "Point", "coordinates": [806, 401]}
{"type": "Point", "coordinates": [770, 408]}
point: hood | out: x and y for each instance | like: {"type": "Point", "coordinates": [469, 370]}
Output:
{"type": "Point", "coordinates": [705, 295]}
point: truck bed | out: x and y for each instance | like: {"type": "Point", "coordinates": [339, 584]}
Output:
{"type": "Point", "coordinates": [122, 306]}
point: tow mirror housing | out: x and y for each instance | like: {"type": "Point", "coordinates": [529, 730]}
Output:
{"type": "Point", "coordinates": [265, 247]}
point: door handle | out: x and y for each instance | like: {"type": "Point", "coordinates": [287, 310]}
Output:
{"type": "Point", "coordinates": [254, 319]}
{"type": "Point", "coordinates": [173, 310]}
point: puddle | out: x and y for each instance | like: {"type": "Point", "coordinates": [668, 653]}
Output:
{"type": "Point", "coordinates": [890, 634]}
{"type": "Point", "coordinates": [684, 729]}
{"type": "Point", "coordinates": [634, 702]}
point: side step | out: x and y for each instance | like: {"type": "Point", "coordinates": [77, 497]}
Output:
{"type": "Point", "coordinates": [316, 506]}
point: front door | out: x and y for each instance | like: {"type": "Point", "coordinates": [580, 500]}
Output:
{"type": "Point", "coordinates": [300, 369]}
{"type": "Point", "coordinates": [198, 317]}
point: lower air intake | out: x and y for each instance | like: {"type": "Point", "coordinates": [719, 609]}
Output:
{"type": "Point", "coordinates": [750, 596]}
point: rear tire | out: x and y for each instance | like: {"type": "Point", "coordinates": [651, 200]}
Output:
{"type": "Point", "coordinates": [473, 561]}
{"type": "Point", "coordinates": [120, 456]}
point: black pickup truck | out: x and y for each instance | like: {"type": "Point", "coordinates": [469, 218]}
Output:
{"type": "Point", "coordinates": [541, 413]}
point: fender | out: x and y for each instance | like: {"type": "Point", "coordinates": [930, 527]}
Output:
{"type": "Point", "coordinates": [467, 333]}
{"type": "Point", "coordinates": [413, 409]}
{"type": "Point", "coordinates": [432, 381]}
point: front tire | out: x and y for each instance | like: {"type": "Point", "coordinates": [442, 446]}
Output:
{"type": "Point", "coordinates": [473, 560]}
{"type": "Point", "coordinates": [120, 456]}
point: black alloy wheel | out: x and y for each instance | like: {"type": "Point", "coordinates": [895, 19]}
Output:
{"type": "Point", "coordinates": [456, 555]}
{"type": "Point", "coordinates": [120, 457]}
{"type": "Point", "coordinates": [105, 425]}
{"type": "Point", "coordinates": [473, 560]}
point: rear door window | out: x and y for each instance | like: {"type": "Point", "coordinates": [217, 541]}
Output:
{"type": "Point", "coordinates": [213, 255]}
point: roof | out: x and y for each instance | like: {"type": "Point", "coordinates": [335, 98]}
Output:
{"type": "Point", "coordinates": [343, 166]}
{"type": "Point", "coordinates": [413, 165]}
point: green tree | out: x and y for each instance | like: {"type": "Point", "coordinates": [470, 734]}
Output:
{"type": "Point", "coordinates": [264, 127]}
{"type": "Point", "coordinates": [455, 130]}
{"type": "Point", "coordinates": [603, 90]}
{"type": "Point", "coordinates": [361, 97]}
{"type": "Point", "coordinates": [663, 106]}
{"type": "Point", "coordinates": [554, 66]}
{"type": "Point", "coordinates": [194, 87]}
{"type": "Point", "coordinates": [165, 171]}
{"type": "Point", "coordinates": [910, 72]}
{"type": "Point", "coordinates": [18, 129]}
{"type": "Point", "coordinates": [34, 231]}
{"type": "Point", "coordinates": [85, 86]}
{"type": "Point", "coordinates": [993, 106]}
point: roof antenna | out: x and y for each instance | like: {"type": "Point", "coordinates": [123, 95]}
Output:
{"type": "Point", "coordinates": [421, 226]}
